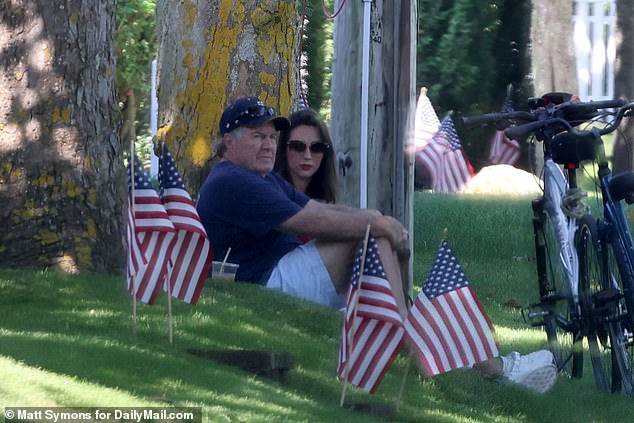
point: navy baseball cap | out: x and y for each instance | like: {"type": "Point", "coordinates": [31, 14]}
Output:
{"type": "Point", "coordinates": [250, 112]}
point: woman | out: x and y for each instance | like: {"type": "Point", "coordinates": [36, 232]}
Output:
{"type": "Point", "coordinates": [306, 156]}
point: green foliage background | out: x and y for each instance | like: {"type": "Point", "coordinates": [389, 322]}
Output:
{"type": "Point", "coordinates": [317, 47]}
{"type": "Point", "coordinates": [468, 52]}
{"type": "Point", "coordinates": [136, 47]}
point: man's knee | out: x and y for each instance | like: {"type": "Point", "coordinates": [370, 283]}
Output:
{"type": "Point", "coordinates": [337, 257]}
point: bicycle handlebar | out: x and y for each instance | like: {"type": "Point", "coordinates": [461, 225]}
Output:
{"type": "Point", "coordinates": [621, 112]}
{"type": "Point", "coordinates": [597, 105]}
{"type": "Point", "coordinates": [496, 117]}
{"type": "Point", "coordinates": [565, 115]}
{"type": "Point", "coordinates": [520, 131]}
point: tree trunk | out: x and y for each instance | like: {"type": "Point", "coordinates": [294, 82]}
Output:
{"type": "Point", "coordinates": [210, 53]}
{"type": "Point", "coordinates": [623, 157]}
{"type": "Point", "coordinates": [553, 61]}
{"type": "Point", "coordinates": [554, 66]}
{"type": "Point", "coordinates": [62, 181]}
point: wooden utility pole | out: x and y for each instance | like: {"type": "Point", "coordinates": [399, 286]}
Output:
{"type": "Point", "coordinates": [392, 102]}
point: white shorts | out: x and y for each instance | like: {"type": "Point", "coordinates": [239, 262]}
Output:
{"type": "Point", "coordinates": [302, 273]}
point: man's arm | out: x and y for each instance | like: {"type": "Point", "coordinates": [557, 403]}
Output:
{"type": "Point", "coordinates": [340, 223]}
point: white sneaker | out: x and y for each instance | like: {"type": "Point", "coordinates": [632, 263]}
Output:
{"type": "Point", "coordinates": [535, 370]}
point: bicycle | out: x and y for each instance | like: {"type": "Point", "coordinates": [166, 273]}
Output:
{"type": "Point", "coordinates": [585, 266]}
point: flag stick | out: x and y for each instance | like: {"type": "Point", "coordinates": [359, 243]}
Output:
{"type": "Point", "coordinates": [354, 317]}
{"type": "Point", "coordinates": [411, 353]}
{"type": "Point", "coordinates": [170, 321]}
{"type": "Point", "coordinates": [168, 275]}
{"type": "Point", "coordinates": [407, 367]}
{"type": "Point", "coordinates": [224, 260]}
{"type": "Point", "coordinates": [134, 287]}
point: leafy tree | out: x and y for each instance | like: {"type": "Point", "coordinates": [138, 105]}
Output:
{"type": "Point", "coordinates": [135, 49]}
{"type": "Point", "coordinates": [510, 52]}
{"type": "Point", "coordinates": [467, 53]}
{"type": "Point", "coordinates": [455, 52]}
{"type": "Point", "coordinates": [317, 48]}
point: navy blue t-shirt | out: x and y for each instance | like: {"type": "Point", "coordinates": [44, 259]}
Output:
{"type": "Point", "coordinates": [242, 209]}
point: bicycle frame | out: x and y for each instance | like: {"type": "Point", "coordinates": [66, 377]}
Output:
{"type": "Point", "coordinates": [614, 218]}
{"type": "Point", "coordinates": [555, 186]}
{"type": "Point", "coordinates": [558, 267]}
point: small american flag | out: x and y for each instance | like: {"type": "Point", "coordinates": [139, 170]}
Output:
{"type": "Point", "coordinates": [446, 163]}
{"type": "Point", "coordinates": [192, 255]}
{"type": "Point", "coordinates": [155, 233]}
{"type": "Point", "coordinates": [426, 123]}
{"type": "Point", "coordinates": [503, 149]}
{"type": "Point", "coordinates": [373, 335]}
{"type": "Point", "coordinates": [136, 259]}
{"type": "Point", "coordinates": [447, 327]}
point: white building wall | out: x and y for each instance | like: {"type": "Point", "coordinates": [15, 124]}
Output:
{"type": "Point", "coordinates": [594, 38]}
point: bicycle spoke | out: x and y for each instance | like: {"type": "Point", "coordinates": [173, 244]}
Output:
{"type": "Point", "coordinates": [619, 317]}
{"type": "Point", "coordinates": [591, 284]}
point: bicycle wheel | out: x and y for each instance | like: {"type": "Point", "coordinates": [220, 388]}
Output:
{"type": "Point", "coordinates": [617, 274]}
{"type": "Point", "coordinates": [591, 284]}
{"type": "Point", "coordinates": [561, 322]}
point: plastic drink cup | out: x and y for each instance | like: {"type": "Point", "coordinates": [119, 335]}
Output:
{"type": "Point", "coordinates": [225, 272]}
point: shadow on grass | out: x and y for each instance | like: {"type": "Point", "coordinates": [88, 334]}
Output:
{"type": "Point", "coordinates": [81, 327]}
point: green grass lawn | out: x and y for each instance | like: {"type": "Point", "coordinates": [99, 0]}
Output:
{"type": "Point", "coordinates": [70, 341]}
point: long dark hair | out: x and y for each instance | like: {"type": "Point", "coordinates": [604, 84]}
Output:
{"type": "Point", "coordinates": [323, 185]}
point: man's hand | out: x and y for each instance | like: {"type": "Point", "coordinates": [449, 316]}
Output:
{"type": "Point", "coordinates": [392, 229]}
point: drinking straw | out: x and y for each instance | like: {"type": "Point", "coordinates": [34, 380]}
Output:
{"type": "Point", "coordinates": [222, 265]}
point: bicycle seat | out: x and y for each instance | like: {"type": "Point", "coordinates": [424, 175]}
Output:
{"type": "Point", "coordinates": [567, 148]}
{"type": "Point", "coordinates": [622, 187]}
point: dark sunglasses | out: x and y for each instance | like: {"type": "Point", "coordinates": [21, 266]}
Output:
{"type": "Point", "coordinates": [315, 147]}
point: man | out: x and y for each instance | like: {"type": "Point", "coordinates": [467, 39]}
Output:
{"type": "Point", "coordinates": [248, 208]}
